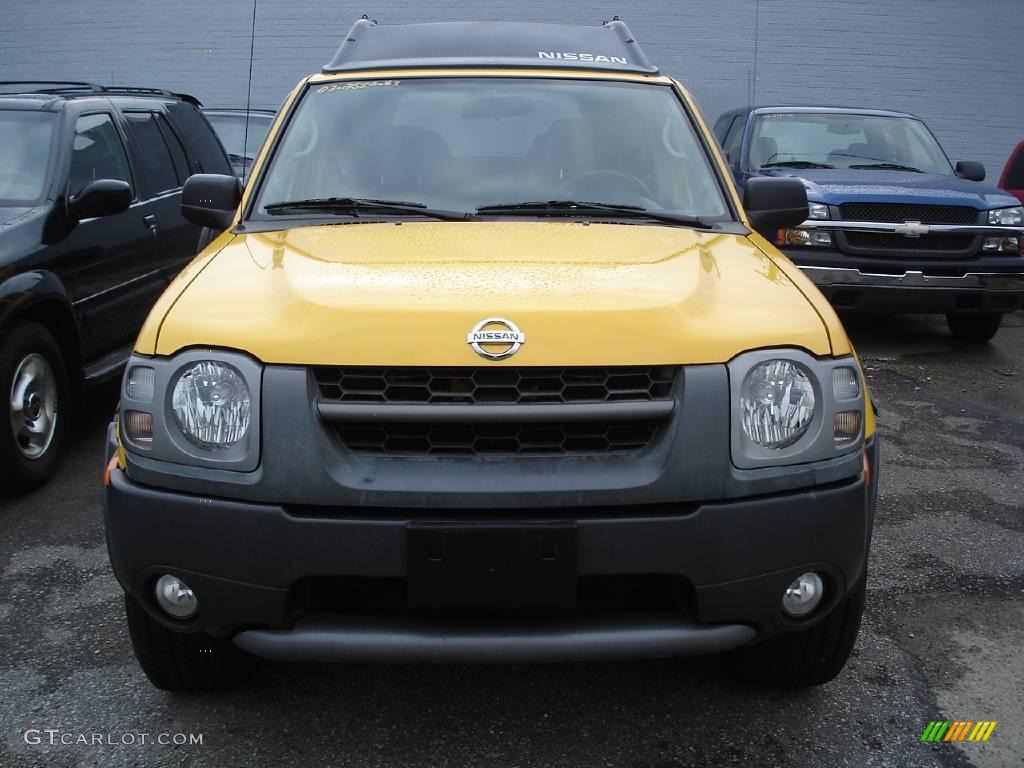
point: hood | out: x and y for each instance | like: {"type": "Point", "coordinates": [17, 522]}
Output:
{"type": "Point", "coordinates": [21, 231]}
{"type": "Point", "coordinates": [408, 294]}
{"type": "Point", "coordinates": [843, 185]}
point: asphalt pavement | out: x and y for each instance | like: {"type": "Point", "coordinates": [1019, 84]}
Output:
{"type": "Point", "coordinates": [943, 636]}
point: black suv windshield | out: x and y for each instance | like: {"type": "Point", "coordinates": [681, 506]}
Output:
{"type": "Point", "coordinates": [25, 141]}
{"type": "Point", "coordinates": [842, 140]}
{"type": "Point", "coordinates": [462, 144]}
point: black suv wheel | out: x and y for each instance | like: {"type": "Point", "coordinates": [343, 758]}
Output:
{"type": "Point", "coordinates": [811, 656]}
{"type": "Point", "coordinates": [979, 327]}
{"type": "Point", "coordinates": [34, 387]}
{"type": "Point", "coordinates": [176, 661]}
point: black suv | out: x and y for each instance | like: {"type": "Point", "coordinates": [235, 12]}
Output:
{"type": "Point", "coordinates": [91, 232]}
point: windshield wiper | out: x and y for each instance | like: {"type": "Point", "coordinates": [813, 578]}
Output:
{"type": "Point", "coordinates": [796, 164]}
{"type": "Point", "coordinates": [887, 167]}
{"type": "Point", "coordinates": [353, 206]}
{"type": "Point", "coordinates": [583, 207]}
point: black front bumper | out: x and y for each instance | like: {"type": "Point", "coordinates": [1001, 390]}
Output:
{"type": "Point", "coordinates": [244, 560]}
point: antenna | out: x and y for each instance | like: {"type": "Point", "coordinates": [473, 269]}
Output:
{"type": "Point", "coordinates": [248, 96]}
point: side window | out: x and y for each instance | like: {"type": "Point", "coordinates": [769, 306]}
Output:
{"type": "Point", "coordinates": [152, 151]}
{"type": "Point", "coordinates": [177, 151]}
{"type": "Point", "coordinates": [722, 127]}
{"type": "Point", "coordinates": [97, 152]}
{"type": "Point", "coordinates": [205, 153]}
{"type": "Point", "coordinates": [734, 139]}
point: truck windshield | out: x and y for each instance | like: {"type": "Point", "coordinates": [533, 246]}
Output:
{"type": "Point", "coordinates": [25, 141]}
{"type": "Point", "coordinates": [837, 140]}
{"type": "Point", "coordinates": [461, 144]}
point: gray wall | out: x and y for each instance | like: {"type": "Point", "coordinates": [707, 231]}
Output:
{"type": "Point", "coordinates": [956, 63]}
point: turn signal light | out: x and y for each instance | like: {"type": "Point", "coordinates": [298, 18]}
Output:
{"type": "Point", "coordinates": [138, 428]}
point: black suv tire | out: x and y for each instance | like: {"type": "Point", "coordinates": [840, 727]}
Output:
{"type": "Point", "coordinates": [975, 327]}
{"type": "Point", "coordinates": [811, 656]}
{"type": "Point", "coordinates": [22, 343]}
{"type": "Point", "coordinates": [177, 661]}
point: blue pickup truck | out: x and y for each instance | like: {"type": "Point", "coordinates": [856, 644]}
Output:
{"type": "Point", "coordinates": [894, 226]}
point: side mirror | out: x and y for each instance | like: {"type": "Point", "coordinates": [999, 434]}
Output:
{"type": "Point", "coordinates": [102, 197]}
{"type": "Point", "coordinates": [970, 170]}
{"type": "Point", "coordinates": [774, 203]}
{"type": "Point", "coordinates": [211, 199]}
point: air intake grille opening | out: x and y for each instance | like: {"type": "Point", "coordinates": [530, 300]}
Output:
{"type": "Point", "coordinates": [894, 212]}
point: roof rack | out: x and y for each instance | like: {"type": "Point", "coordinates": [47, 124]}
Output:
{"type": "Point", "coordinates": [608, 47]}
{"type": "Point", "coordinates": [57, 87]}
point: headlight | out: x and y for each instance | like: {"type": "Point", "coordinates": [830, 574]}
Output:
{"type": "Point", "coordinates": [790, 407]}
{"type": "Point", "coordinates": [804, 237]}
{"type": "Point", "coordinates": [817, 211]}
{"type": "Point", "coordinates": [211, 405]}
{"type": "Point", "coordinates": [199, 407]}
{"type": "Point", "coordinates": [776, 403]}
{"type": "Point", "coordinates": [1007, 217]}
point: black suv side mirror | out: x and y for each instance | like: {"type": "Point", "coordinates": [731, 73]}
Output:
{"type": "Point", "coordinates": [970, 170]}
{"type": "Point", "coordinates": [210, 200]}
{"type": "Point", "coordinates": [102, 197]}
{"type": "Point", "coordinates": [775, 203]}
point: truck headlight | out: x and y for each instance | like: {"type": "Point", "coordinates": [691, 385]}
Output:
{"type": "Point", "coordinates": [1007, 217]}
{"type": "Point", "coordinates": [776, 403]}
{"type": "Point", "coordinates": [803, 237]}
{"type": "Point", "coordinates": [211, 405]}
{"type": "Point", "coordinates": [200, 407]}
{"type": "Point", "coordinates": [789, 407]}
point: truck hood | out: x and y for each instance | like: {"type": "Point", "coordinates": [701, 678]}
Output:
{"type": "Point", "coordinates": [409, 294]}
{"type": "Point", "coordinates": [842, 185]}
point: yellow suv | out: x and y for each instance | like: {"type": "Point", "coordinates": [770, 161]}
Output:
{"type": "Point", "coordinates": [491, 364]}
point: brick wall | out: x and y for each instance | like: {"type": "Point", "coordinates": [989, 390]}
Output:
{"type": "Point", "coordinates": [956, 63]}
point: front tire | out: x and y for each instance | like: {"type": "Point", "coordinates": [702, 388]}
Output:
{"type": "Point", "coordinates": [176, 661]}
{"type": "Point", "coordinates": [811, 656]}
{"type": "Point", "coordinates": [34, 387]}
{"type": "Point", "coordinates": [974, 327]}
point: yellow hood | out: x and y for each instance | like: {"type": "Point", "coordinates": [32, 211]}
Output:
{"type": "Point", "coordinates": [408, 294]}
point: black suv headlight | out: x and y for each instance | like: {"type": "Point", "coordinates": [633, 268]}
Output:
{"type": "Point", "coordinates": [199, 407]}
{"type": "Point", "coordinates": [789, 407]}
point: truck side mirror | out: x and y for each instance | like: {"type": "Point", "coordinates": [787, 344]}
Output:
{"type": "Point", "coordinates": [970, 170]}
{"type": "Point", "coordinates": [775, 203]}
{"type": "Point", "coordinates": [211, 199]}
{"type": "Point", "coordinates": [103, 197]}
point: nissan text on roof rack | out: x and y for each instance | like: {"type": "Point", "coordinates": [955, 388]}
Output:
{"type": "Point", "coordinates": [490, 363]}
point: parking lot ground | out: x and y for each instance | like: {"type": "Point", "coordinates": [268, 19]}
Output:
{"type": "Point", "coordinates": [943, 636]}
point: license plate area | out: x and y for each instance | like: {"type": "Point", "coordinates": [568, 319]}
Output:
{"type": "Point", "coordinates": [490, 568]}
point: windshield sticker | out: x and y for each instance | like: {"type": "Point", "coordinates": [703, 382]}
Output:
{"type": "Point", "coordinates": [362, 84]}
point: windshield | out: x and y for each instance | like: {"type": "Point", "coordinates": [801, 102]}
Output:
{"type": "Point", "coordinates": [25, 139]}
{"type": "Point", "coordinates": [460, 144]}
{"type": "Point", "coordinates": [231, 131]}
{"type": "Point", "coordinates": [839, 140]}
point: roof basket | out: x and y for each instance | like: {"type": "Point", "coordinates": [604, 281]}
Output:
{"type": "Point", "coordinates": [372, 46]}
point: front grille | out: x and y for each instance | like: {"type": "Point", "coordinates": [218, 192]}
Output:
{"type": "Point", "coordinates": [362, 384]}
{"type": "Point", "coordinates": [898, 213]}
{"type": "Point", "coordinates": [575, 438]}
{"type": "Point", "coordinates": [404, 421]}
{"type": "Point", "coordinates": [887, 241]}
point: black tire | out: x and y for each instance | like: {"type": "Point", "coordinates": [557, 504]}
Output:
{"type": "Point", "coordinates": [976, 327]}
{"type": "Point", "coordinates": [19, 472]}
{"type": "Point", "coordinates": [176, 661]}
{"type": "Point", "coordinates": [811, 656]}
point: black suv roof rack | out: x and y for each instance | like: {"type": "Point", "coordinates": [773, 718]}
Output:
{"type": "Point", "coordinates": [72, 87]}
{"type": "Point", "coordinates": [608, 47]}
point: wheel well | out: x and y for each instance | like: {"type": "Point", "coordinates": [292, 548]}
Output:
{"type": "Point", "coordinates": [58, 320]}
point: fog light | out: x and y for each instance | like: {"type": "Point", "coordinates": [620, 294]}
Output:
{"type": "Point", "coordinates": [175, 597]}
{"type": "Point", "coordinates": [1001, 245]}
{"type": "Point", "coordinates": [803, 595]}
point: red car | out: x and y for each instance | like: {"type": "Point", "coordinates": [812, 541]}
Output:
{"type": "Point", "coordinates": [1012, 179]}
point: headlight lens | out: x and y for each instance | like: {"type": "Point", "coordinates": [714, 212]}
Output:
{"type": "Point", "coordinates": [817, 211]}
{"type": "Point", "coordinates": [1007, 217]}
{"type": "Point", "coordinates": [776, 403]}
{"type": "Point", "coordinates": [211, 405]}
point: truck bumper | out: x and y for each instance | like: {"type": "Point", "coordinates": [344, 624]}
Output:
{"type": "Point", "coordinates": [249, 565]}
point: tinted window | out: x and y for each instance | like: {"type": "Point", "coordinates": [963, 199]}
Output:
{"type": "Point", "coordinates": [174, 145]}
{"type": "Point", "coordinates": [205, 153]}
{"type": "Point", "coordinates": [460, 143]}
{"type": "Point", "coordinates": [722, 126]}
{"type": "Point", "coordinates": [97, 152]}
{"type": "Point", "coordinates": [152, 151]}
{"type": "Point", "coordinates": [25, 140]}
{"type": "Point", "coordinates": [734, 138]}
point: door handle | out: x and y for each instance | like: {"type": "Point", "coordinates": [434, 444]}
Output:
{"type": "Point", "coordinates": [150, 221]}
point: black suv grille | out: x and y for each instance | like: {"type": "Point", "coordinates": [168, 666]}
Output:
{"type": "Point", "coordinates": [494, 385]}
{"type": "Point", "coordinates": [602, 430]}
{"type": "Point", "coordinates": [887, 241]}
{"type": "Point", "coordinates": [891, 212]}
